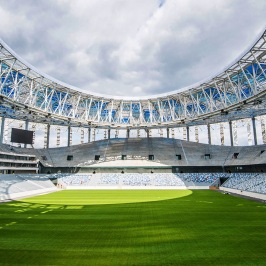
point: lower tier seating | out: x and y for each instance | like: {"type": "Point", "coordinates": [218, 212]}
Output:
{"type": "Point", "coordinates": [12, 184]}
{"type": "Point", "coordinates": [137, 179]}
{"type": "Point", "coordinates": [247, 182]}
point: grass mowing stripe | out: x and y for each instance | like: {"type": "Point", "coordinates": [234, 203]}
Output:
{"type": "Point", "coordinates": [133, 228]}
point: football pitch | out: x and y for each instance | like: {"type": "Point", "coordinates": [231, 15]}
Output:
{"type": "Point", "coordinates": [135, 227]}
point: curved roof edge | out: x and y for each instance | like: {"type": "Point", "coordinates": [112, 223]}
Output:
{"type": "Point", "coordinates": [133, 98]}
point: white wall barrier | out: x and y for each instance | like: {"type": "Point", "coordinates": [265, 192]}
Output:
{"type": "Point", "coordinates": [244, 193]}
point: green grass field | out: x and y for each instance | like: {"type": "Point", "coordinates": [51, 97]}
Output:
{"type": "Point", "coordinates": [150, 227]}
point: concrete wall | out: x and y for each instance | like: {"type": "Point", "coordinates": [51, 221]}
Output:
{"type": "Point", "coordinates": [245, 193]}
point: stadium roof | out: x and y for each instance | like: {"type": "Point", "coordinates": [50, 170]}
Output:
{"type": "Point", "coordinates": [237, 91]}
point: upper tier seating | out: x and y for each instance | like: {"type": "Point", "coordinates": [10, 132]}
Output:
{"type": "Point", "coordinates": [163, 149]}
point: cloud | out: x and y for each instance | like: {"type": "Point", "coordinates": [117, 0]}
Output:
{"type": "Point", "coordinates": [128, 47]}
{"type": "Point", "coordinates": [137, 89]}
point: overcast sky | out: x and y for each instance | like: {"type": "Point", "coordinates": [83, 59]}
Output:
{"type": "Point", "coordinates": [130, 47]}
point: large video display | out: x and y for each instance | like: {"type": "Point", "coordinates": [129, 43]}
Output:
{"type": "Point", "coordinates": [21, 136]}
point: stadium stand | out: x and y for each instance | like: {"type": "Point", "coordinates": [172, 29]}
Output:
{"type": "Point", "coordinates": [16, 162]}
{"type": "Point", "coordinates": [138, 151]}
{"type": "Point", "coordinates": [247, 182]}
{"type": "Point", "coordinates": [109, 179]}
{"type": "Point", "coordinates": [76, 179]}
{"type": "Point", "coordinates": [168, 180]}
{"type": "Point", "coordinates": [12, 186]}
{"type": "Point", "coordinates": [137, 179]}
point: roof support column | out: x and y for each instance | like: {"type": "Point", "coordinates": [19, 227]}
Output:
{"type": "Point", "coordinates": [222, 133]}
{"type": "Point", "coordinates": [116, 133]}
{"type": "Point", "coordinates": [235, 133]}
{"type": "Point", "coordinates": [82, 135]}
{"type": "Point", "coordinates": [33, 128]}
{"type": "Point", "coordinates": [187, 128]}
{"type": "Point", "coordinates": [173, 133]}
{"type": "Point", "coordinates": [231, 133]}
{"type": "Point", "coordinates": [138, 133]}
{"type": "Point", "coordinates": [58, 137]}
{"type": "Point", "coordinates": [184, 133]}
{"type": "Point", "coordinates": [20, 127]}
{"type": "Point", "coordinates": [263, 130]}
{"type": "Point", "coordinates": [167, 132]}
{"type": "Point", "coordinates": [69, 136]}
{"type": "Point", "coordinates": [148, 133]}
{"type": "Point", "coordinates": [47, 137]}
{"type": "Point", "coordinates": [109, 133]}
{"type": "Point", "coordinates": [254, 130]}
{"type": "Point", "coordinates": [209, 134]}
{"type": "Point", "coordinates": [93, 134]}
{"type": "Point", "coordinates": [26, 128]}
{"type": "Point", "coordinates": [128, 133]}
{"type": "Point", "coordinates": [249, 132]}
{"type": "Point", "coordinates": [89, 135]}
{"type": "Point", "coordinates": [197, 134]}
{"type": "Point", "coordinates": [2, 129]}
{"type": "Point", "coordinates": [161, 132]}
{"type": "Point", "coordinates": [105, 134]}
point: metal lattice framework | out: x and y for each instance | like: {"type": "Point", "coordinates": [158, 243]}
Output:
{"type": "Point", "coordinates": [237, 92]}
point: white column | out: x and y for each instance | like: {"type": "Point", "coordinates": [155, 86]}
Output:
{"type": "Point", "coordinates": [138, 133]}
{"type": "Point", "coordinates": [231, 133]}
{"type": "Point", "coordinates": [249, 132]}
{"type": "Point", "coordinates": [173, 133]}
{"type": "Point", "coordinates": [69, 137]}
{"type": "Point", "coordinates": [161, 132]}
{"type": "Point", "coordinates": [235, 133]}
{"type": "Point", "coordinates": [93, 134]}
{"type": "Point", "coordinates": [116, 133]}
{"type": "Point", "coordinates": [150, 133]}
{"type": "Point", "coordinates": [209, 134]}
{"type": "Point", "coordinates": [58, 137]}
{"type": "Point", "coordinates": [33, 128]}
{"type": "Point", "coordinates": [184, 133]}
{"type": "Point", "coordinates": [196, 133]}
{"type": "Point", "coordinates": [6, 130]}
{"type": "Point", "coordinates": [82, 135]}
{"type": "Point", "coordinates": [254, 130]}
{"type": "Point", "coordinates": [46, 136]}
{"type": "Point", "coordinates": [222, 133]}
{"type": "Point", "coordinates": [2, 129]}
{"type": "Point", "coordinates": [89, 135]}
{"type": "Point", "coordinates": [20, 127]}
{"type": "Point", "coordinates": [263, 130]}
{"type": "Point", "coordinates": [26, 128]}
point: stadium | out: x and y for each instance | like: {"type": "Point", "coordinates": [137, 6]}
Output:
{"type": "Point", "coordinates": [142, 184]}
